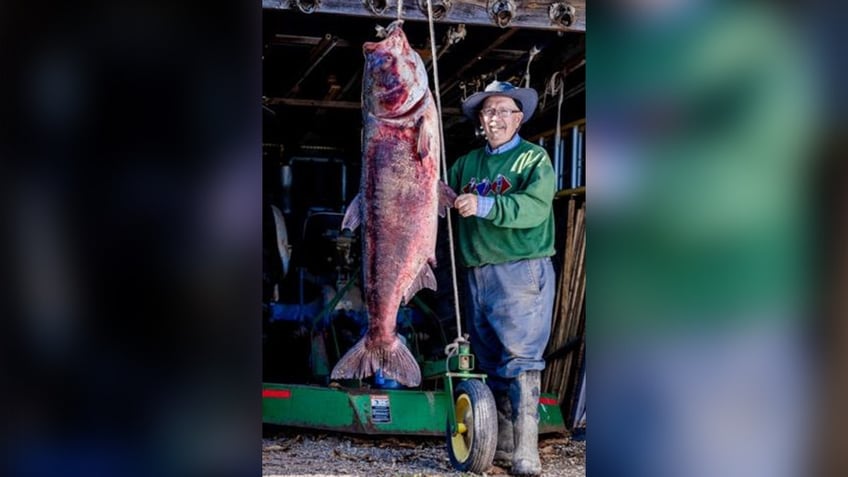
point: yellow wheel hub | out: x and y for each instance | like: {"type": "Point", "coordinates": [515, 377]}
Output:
{"type": "Point", "coordinates": [462, 439]}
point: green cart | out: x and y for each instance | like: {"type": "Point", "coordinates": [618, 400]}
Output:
{"type": "Point", "coordinates": [460, 407]}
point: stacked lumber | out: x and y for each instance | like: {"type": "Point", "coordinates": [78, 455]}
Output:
{"type": "Point", "coordinates": [565, 348]}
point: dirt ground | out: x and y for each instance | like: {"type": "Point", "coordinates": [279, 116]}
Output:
{"type": "Point", "coordinates": [299, 452]}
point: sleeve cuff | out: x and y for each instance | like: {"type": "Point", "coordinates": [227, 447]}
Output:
{"type": "Point", "coordinates": [484, 205]}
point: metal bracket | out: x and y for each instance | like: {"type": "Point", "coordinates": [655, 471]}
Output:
{"type": "Point", "coordinates": [503, 11]}
{"type": "Point", "coordinates": [562, 13]}
{"type": "Point", "coordinates": [306, 6]}
{"type": "Point", "coordinates": [440, 7]}
{"type": "Point", "coordinates": [377, 7]}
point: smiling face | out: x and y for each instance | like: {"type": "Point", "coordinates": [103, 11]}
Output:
{"type": "Point", "coordinates": [500, 130]}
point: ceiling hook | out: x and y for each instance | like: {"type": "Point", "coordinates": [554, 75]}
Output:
{"type": "Point", "coordinates": [503, 11]}
{"type": "Point", "coordinates": [306, 6]}
{"type": "Point", "coordinates": [455, 34]}
{"type": "Point", "coordinates": [377, 7]}
{"type": "Point", "coordinates": [562, 13]}
{"type": "Point", "coordinates": [440, 7]}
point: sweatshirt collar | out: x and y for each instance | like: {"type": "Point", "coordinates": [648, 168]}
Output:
{"type": "Point", "coordinates": [505, 146]}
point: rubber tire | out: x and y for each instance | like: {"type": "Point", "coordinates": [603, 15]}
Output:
{"type": "Point", "coordinates": [475, 406]}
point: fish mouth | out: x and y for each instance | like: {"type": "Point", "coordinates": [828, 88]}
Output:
{"type": "Point", "coordinates": [389, 92]}
{"type": "Point", "coordinates": [397, 109]}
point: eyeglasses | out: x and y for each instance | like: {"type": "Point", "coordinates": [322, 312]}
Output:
{"type": "Point", "coordinates": [503, 113]}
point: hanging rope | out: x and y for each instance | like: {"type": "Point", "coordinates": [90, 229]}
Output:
{"type": "Point", "coordinates": [400, 9]}
{"type": "Point", "coordinates": [533, 52]}
{"type": "Point", "coordinates": [444, 169]}
{"type": "Point", "coordinates": [454, 36]}
{"type": "Point", "coordinates": [556, 85]}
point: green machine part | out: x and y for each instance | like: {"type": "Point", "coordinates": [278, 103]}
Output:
{"type": "Point", "coordinates": [374, 411]}
{"type": "Point", "coordinates": [365, 410]}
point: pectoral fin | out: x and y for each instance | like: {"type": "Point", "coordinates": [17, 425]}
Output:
{"type": "Point", "coordinates": [446, 198]}
{"type": "Point", "coordinates": [428, 138]}
{"type": "Point", "coordinates": [352, 217]}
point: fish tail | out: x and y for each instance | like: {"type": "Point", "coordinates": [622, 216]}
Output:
{"type": "Point", "coordinates": [394, 359]}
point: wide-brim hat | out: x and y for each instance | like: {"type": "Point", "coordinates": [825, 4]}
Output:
{"type": "Point", "coordinates": [527, 97]}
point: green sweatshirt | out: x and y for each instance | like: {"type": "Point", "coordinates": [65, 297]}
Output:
{"type": "Point", "coordinates": [520, 223]}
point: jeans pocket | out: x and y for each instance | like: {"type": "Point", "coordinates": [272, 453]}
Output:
{"type": "Point", "coordinates": [533, 270]}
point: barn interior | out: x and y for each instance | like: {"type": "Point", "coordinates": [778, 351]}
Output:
{"type": "Point", "coordinates": [312, 87]}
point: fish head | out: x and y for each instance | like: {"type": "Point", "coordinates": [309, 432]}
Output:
{"type": "Point", "coordinates": [394, 78]}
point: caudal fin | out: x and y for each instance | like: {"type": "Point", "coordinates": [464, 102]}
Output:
{"type": "Point", "coordinates": [394, 359]}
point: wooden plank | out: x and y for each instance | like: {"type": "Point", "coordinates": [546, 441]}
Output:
{"type": "Point", "coordinates": [576, 297]}
{"type": "Point", "coordinates": [569, 320]}
{"type": "Point", "coordinates": [550, 381]}
{"type": "Point", "coordinates": [281, 39]}
{"type": "Point", "coordinates": [319, 103]}
{"type": "Point", "coordinates": [529, 14]}
{"type": "Point", "coordinates": [569, 192]}
{"type": "Point", "coordinates": [313, 103]}
{"type": "Point", "coordinates": [503, 55]}
{"type": "Point", "coordinates": [563, 129]}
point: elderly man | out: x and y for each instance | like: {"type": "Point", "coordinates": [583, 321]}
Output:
{"type": "Point", "coordinates": [505, 239]}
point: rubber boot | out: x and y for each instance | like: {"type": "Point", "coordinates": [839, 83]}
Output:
{"type": "Point", "coordinates": [506, 443]}
{"type": "Point", "coordinates": [524, 393]}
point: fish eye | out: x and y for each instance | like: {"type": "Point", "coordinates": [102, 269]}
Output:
{"type": "Point", "coordinates": [387, 62]}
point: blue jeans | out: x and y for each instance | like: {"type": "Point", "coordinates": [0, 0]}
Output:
{"type": "Point", "coordinates": [509, 309]}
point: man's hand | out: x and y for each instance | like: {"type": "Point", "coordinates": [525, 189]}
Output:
{"type": "Point", "coordinates": [466, 204]}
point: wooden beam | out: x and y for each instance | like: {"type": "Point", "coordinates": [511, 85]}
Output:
{"type": "Point", "coordinates": [454, 80]}
{"type": "Point", "coordinates": [319, 52]}
{"type": "Point", "coordinates": [281, 39]}
{"type": "Point", "coordinates": [563, 128]}
{"type": "Point", "coordinates": [569, 192]}
{"type": "Point", "coordinates": [355, 79]}
{"type": "Point", "coordinates": [320, 103]}
{"type": "Point", "coordinates": [313, 103]}
{"type": "Point", "coordinates": [505, 55]}
{"type": "Point", "coordinates": [529, 14]}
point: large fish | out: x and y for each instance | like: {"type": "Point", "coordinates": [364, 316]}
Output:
{"type": "Point", "coordinates": [397, 204]}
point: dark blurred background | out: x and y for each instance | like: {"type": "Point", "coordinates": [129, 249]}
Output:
{"type": "Point", "coordinates": [131, 181]}
{"type": "Point", "coordinates": [716, 232]}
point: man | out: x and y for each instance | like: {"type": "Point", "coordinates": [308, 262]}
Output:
{"type": "Point", "coordinates": [505, 237]}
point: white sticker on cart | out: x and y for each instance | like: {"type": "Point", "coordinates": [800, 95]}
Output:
{"type": "Point", "coordinates": [380, 409]}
